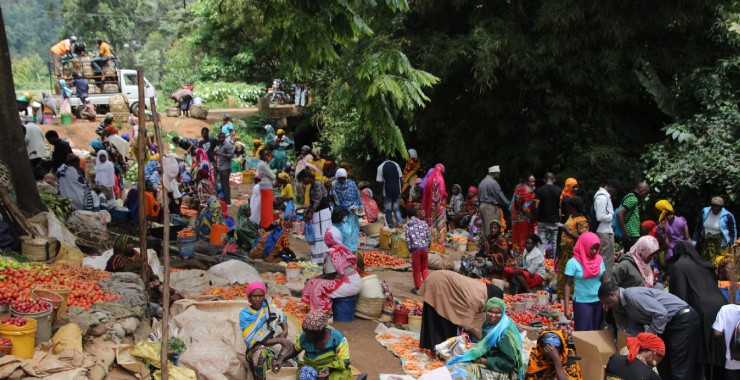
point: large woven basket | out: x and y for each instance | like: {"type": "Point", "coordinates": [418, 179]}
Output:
{"type": "Point", "coordinates": [120, 116]}
{"type": "Point", "coordinates": [199, 111]}
{"type": "Point", "coordinates": [369, 308]}
{"type": "Point", "coordinates": [118, 101]}
{"type": "Point", "coordinates": [173, 112]}
{"type": "Point", "coordinates": [39, 248]}
{"type": "Point", "coordinates": [372, 229]}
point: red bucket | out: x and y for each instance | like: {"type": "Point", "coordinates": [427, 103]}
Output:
{"type": "Point", "coordinates": [400, 317]}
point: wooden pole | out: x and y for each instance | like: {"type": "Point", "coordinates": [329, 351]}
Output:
{"type": "Point", "coordinates": [165, 246]}
{"type": "Point", "coordinates": [140, 158]}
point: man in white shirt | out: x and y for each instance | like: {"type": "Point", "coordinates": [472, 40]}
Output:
{"type": "Point", "coordinates": [34, 144]}
{"type": "Point", "coordinates": [604, 210]}
{"type": "Point", "coordinates": [727, 319]}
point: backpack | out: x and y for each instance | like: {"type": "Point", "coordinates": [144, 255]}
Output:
{"type": "Point", "coordinates": [593, 223]}
{"type": "Point", "coordinates": [627, 215]}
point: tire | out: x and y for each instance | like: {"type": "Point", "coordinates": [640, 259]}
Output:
{"type": "Point", "coordinates": [134, 109]}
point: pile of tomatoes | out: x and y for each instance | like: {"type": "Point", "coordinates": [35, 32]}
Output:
{"type": "Point", "coordinates": [15, 321]}
{"type": "Point", "coordinates": [381, 259]}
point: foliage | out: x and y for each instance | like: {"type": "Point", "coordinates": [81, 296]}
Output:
{"type": "Point", "coordinates": [246, 94]}
{"type": "Point", "coordinates": [30, 72]}
{"type": "Point", "coordinates": [31, 26]}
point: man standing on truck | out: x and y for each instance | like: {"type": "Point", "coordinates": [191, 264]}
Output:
{"type": "Point", "coordinates": [104, 55]}
{"type": "Point", "coordinates": [62, 48]}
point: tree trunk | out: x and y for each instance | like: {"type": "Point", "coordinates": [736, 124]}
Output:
{"type": "Point", "coordinates": [13, 144]}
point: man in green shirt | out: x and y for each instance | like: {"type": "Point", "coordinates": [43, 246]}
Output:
{"type": "Point", "coordinates": [629, 214]}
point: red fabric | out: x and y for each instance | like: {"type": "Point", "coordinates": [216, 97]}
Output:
{"type": "Point", "coordinates": [266, 217]}
{"type": "Point", "coordinates": [644, 341]}
{"type": "Point", "coordinates": [519, 232]}
{"type": "Point", "coordinates": [316, 292]}
{"type": "Point", "coordinates": [436, 177]}
{"type": "Point", "coordinates": [532, 279]}
{"type": "Point", "coordinates": [420, 266]}
{"type": "Point", "coordinates": [591, 267]}
{"type": "Point", "coordinates": [371, 207]}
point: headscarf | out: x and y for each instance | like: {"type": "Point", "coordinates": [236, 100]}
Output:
{"type": "Point", "coordinates": [280, 131]}
{"type": "Point", "coordinates": [251, 321]}
{"type": "Point", "coordinates": [649, 225]}
{"type": "Point", "coordinates": [270, 133]}
{"type": "Point", "coordinates": [105, 172]}
{"type": "Point", "coordinates": [644, 341]}
{"type": "Point", "coordinates": [568, 189]}
{"type": "Point", "coordinates": [591, 266]}
{"type": "Point", "coordinates": [119, 245]}
{"type": "Point", "coordinates": [341, 256]}
{"type": "Point", "coordinates": [473, 189]}
{"type": "Point", "coordinates": [665, 208]}
{"type": "Point", "coordinates": [201, 155]}
{"type": "Point", "coordinates": [47, 101]}
{"type": "Point", "coordinates": [246, 231]}
{"type": "Point", "coordinates": [341, 173]}
{"type": "Point", "coordinates": [504, 329]}
{"type": "Point", "coordinates": [132, 202]}
{"type": "Point", "coordinates": [643, 248]}
{"type": "Point", "coordinates": [347, 194]}
{"type": "Point", "coordinates": [284, 176]}
{"type": "Point", "coordinates": [256, 285]}
{"type": "Point", "coordinates": [96, 145]}
{"type": "Point", "coordinates": [211, 215]}
{"type": "Point", "coordinates": [541, 367]}
{"type": "Point", "coordinates": [436, 181]}
{"type": "Point", "coordinates": [315, 320]}
{"type": "Point", "coordinates": [369, 204]}
{"type": "Point", "coordinates": [684, 249]}
{"type": "Point", "coordinates": [413, 154]}
{"type": "Point", "coordinates": [523, 199]}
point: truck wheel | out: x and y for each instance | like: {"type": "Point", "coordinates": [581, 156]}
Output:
{"type": "Point", "coordinates": [135, 109]}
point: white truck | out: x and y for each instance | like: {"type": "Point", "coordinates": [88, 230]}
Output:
{"type": "Point", "coordinates": [112, 81]}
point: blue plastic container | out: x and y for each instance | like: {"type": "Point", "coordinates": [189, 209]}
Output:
{"type": "Point", "coordinates": [344, 309]}
{"type": "Point", "coordinates": [186, 246]}
{"type": "Point", "coordinates": [726, 293]}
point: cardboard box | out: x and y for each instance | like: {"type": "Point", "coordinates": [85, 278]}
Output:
{"type": "Point", "coordinates": [595, 348]}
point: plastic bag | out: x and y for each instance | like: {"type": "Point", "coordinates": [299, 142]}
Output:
{"type": "Point", "coordinates": [68, 337]}
{"type": "Point", "coordinates": [47, 224]}
{"type": "Point", "coordinates": [69, 255]}
{"type": "Point", "coordinates": [236, 272]}
{"type": "Point", "coordinates": [309, 233]}
{"type": "Point", "coordinates": [148, 350]}
{"type": "Point", "coordinates": [176, 373]}
{"type": "Point", "coordinates": [289, 213]}
{"type": "Point", "coordinates": [452, 347]}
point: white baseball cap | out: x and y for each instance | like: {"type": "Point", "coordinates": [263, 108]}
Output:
{"type": "Point", "coordinates": [494, 169]}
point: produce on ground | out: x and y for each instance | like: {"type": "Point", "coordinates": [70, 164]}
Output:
{"type": "Point", "coordinates": [292, 306]}
{"type": "Point", "coordinates": [187, 232]}
{"type": "Point", "coordinates": [381, 259]}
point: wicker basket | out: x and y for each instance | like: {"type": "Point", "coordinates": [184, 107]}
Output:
{"type": "Point", "coordinates": [39, 248]}
{"type": "Point", "coordinates": [372, 229]}
{"type": "Point", "coordinates": [199, 111]}
{"type": "Point", "coordinates": [173, 112]}
{"type": "Point", "coordinates": [118, 100]}
{"type": "Point", "coordinates": [369, 308]}
{"type": "Point", "coordinates": [535, 330]}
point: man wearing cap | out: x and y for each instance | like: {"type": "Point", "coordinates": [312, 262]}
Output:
{"type": "Point", "coordinates": [715, 230]}
{"type": "Point", "coordinates": [60, 49]}
{"type": "Point", "coordinates": [491, 199]}
{"type": "Point", "coordinates": [34, 144]}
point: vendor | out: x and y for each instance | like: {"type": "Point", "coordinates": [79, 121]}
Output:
{"type": "Point", "coordinates": [263, 325]}
{"type": "Point", "coordinates": [451, 303]}
{"type": "Point", "coordinates": [499, 354]}
{"type": "Point", "coordinates": [125, 258]}
{"type": "Point", "coordinates": [497, 249]}
{"type": "Point", "coordinates": [551, 359]}
{"type": "Point", "coordinates": [532, 271]}
{"type": "Point", "coordinates": [647, 348]}
{"type": "Point", "coordinates": [286, 188]}
{"type": "Point", "coordinates": [151, 205]}
{"type": "Point", "coordinates": [247, 231]}
{"type": "Point", "coordinates": [211, 215]}
{"type": "Point", "coordinates": [585, 270]}
{"type": "Point", "coordinates": [326, 350]}
{"type": "Point", "coordinates": [340, 278]}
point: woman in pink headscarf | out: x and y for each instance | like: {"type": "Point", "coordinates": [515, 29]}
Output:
{"type": "Point", "coordinates": [340, 278]}
{"type": "Point", "coordinates": [585, 270]}
{"type": "Point", "coordinates": [201, 161]}
{"type": "Point", "coordinates": [433, 204]}
{"type": "Point", "coordinates": [371, 207]}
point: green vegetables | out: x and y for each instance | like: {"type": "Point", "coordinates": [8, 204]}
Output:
{"type": "Point", "coordinates": [175, 346]}
{"type": "Point", "coordinates": [59, 205]}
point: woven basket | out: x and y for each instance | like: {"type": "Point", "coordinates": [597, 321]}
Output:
{"type": "Point", "coordinates": [120, 116]}
{"type": "Point", "coordinates": [199, 111]}
{"type": "Point", "coordinates": [369, 308]}
{"type": "Point", "coordinates": [536, 330]}
{"type": "Point", "coordinates": [119, 100]}
{"type": "Point", "coordinates": [173, 112]}
{"type": "Point", "coordinates": [39, 248]}
{"type": "Point", "coordinates": [372, 229]}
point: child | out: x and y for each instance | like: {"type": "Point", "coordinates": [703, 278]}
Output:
{"type": "Point", "coordinates": [418, 238]}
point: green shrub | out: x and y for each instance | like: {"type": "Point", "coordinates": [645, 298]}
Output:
{"type": "Point", "coordinates": [246, 94]}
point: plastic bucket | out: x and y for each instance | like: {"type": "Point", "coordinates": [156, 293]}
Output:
{"type": "Point", "coordinates": [43, 323]}
{"type": "Point", "coordinates": [344, 309]}
{"type": "Point", "coordinates": [293, 275]}
{"type": "Point", "coordinates": [66, 118]}
{"type": "Point", "coordinates": [385, 239]}
{"type": "Point", "coordinates": [415, 323]}
{"type": "Point", "coordinates": [400, 317]}
{"type": "Point", "coordinates": [47, 119]}
{"type": "Point", "coordinates": [472, 246]}
{"type": "Point", "coordinates": [542, 299]}
{"type": "Point", "coordinates": [62, 290]}
{"type": "Point", "coordinates": [247, 177]}
{"type": "Point", "coordinates": [371, 287]}
{"type": "Point", "coordinates": [23, 338]}
{"type": "Point", "coordinates": [186, 246]}
{"type": "Point", "coordinates": [217, 233]}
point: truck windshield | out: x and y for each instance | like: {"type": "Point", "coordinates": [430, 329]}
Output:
{"type": "Point", "coordinates": [130, 80]}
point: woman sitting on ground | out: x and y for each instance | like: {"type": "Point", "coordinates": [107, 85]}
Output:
{"type": "Point", "coordinates": [498, 355]}
{"type": "Point", "coordinates": [263, 326]}
{"type": "Point", "coordinates": [551, 359]}
{"type": "Point", "coordinates": [204, 188]}
{"type": "Point", "coordinates": [497, 249]}
{"type": "Point", "coordinates": [247, 231]}
{"type": "Point", "coordinates": [647, 348]}
{"type": "Point", "coordinates": [326, 350]}
{"type": "Point", "coordinates": [74, 185]}
{"type": "Point", "coordinates": [211, 215]}
{"type": "Point", "coordinates": [340, 278]}
{"type": "Point", "coordinates": [125, 258]}
{"type": "Point", "coordinates": [532, 271]}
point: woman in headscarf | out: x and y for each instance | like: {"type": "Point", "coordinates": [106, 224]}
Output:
{"type": "Point", "coordinates": [551, 359]}
{"type": "Point", "coordinates": [671, 228]}
{"type": "Point", "coordinates": [125, 258]}
{"type": "Point", "coordinates": [456, 205]}
{"type": "Point", "coordinates": [497, 249]}
{"type": "Point", "coordinates": [433, 204]}
{"type": "Point", "coordinates": [263, 327]}
{"type": "Point", "coordinates": [203, 188]}
{"type": "Point", "coordinates": [716, 229]}
{"type": "Point", "coordinates": [66, 107]}
{"type": "Point", "coordinates": [500, 349]}
{"type": "Point", "coordinates": [326, 350]}
{"type": "Point", "coordinates": [648, 227]}
{"type": "Point", "coordinates": [105, 172]}
{"type": "Point", "coordinates": [48, 109]}
{"type": "Point", "coordinates": [74, 185]}
{"type": "Point", "coordinates": [576, 225]}
{"type": "Point", "coordinates": [451, 304]}
{"type": "Point", "coordinates": [635, 267]}
{"type": "Point", "coordinates": [348, 198]}
{"type": "Point", "coordinates": [282, 144]}
{"type": "Point", "coordinates": [694, 280]}
{"type": "Point", "coordinates": [370, 206]}
{"type": "Point", "coordinates": [318, 212]}
{"type": "Point", "coordinates": [286, 188]}
{"type": "Point", "coordinates": [410, 170]}
{"type": "Point", "coordinates": [269, 136]}
{"type": "Point", "coordinates": [201, 162]}
{"type": "Point", "coordinates": [647, 349]}
{"type": "Point", "coordinates": [585, 270]}
{"type": "Point", "coordinates": [132, 203]}
{"type": "Point", "coordinates": [151, 171]}
{"type": "Point", "coordinates": [246, 230]}
{"type": "Point", "coordinates": [211, 214]}
{"type": "Point", "coordinates": [523, 215]}
{"type": "Point", "coordinates": [470, 206]}
{"type": "Point", "coordinates": [240, 157]}
{"type": "Point", "coordinates": [569, 191]}
{"type": "Point", "coordinates": [340, 278]}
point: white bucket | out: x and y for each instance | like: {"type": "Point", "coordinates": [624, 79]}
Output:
{"type": "Point", "coordinates": [293, 275]}
{"type": "Point", "coordinates": [371, 287]}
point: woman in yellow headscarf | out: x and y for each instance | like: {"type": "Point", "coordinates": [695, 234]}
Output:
{"type": "Point", "coordinates": [569, 191]}
{"type": "Point", "coordinates": [671, 228]}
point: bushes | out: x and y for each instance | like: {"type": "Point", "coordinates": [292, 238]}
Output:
{"type": "Point", "coordinates": [212, 92]}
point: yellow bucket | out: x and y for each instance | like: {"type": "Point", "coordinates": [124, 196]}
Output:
{"type": "Point", "coordinates": [399, 247]}
{"type": "Point", "coordinates": [385, 239]}
{"type": "Point", "coordinates": [23, 338]}
{"type": "Point", "coordinates": [247, 177]}
{"type": "Point", "coordinates": [414, 323]}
